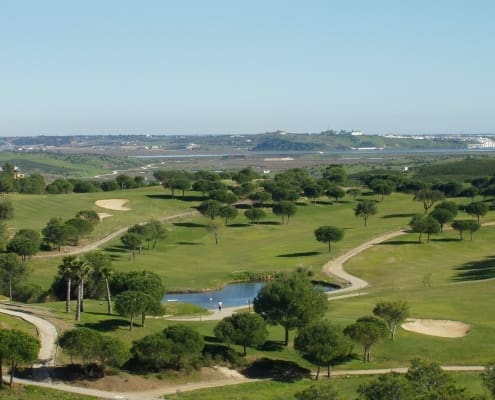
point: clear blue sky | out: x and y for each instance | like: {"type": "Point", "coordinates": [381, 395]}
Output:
{"type": "Point", "coordinates": [177, 67]}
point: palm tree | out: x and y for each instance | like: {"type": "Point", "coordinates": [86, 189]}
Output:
{"type": "Point", "coordinates": [66, 270]}
{"type": "Point", "coordinates": [102, 269]}
{"type": "Point", "coordinates": [81, 270]}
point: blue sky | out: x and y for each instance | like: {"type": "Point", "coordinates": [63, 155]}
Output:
{"type": "Point", "coordinates": [189, 67]}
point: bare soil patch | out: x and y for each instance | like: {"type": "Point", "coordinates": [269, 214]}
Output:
{"type": "Point", "coordinates": [437, 327]}
{"type": "Point", "coordinates": [113, 204]}
{"type": "Point", "coordinates": [124, 382]}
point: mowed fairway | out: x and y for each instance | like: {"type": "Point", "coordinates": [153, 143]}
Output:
{"type": "Point", "coordinates": [443, 279]}
{"type": "Point", "coordinates": [189, 258]}
{"type": "Point", "coordinates": [397, 269]}
{"type": "Point", "coordinates": [459, 286]}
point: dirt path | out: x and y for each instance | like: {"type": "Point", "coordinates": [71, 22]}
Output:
{"type": "Point", "coordinates": [111, 236]}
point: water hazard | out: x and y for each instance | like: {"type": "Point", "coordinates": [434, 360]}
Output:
{"type": "Point", "coordinates": [233, 295]}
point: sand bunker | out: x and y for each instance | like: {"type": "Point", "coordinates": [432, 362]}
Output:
{"type": "Point", "coordinates": [437, 327]}
{"type": "Point", "coordinates": [102, 216]}
{"type": "Point", "coordinates": [113, 204]}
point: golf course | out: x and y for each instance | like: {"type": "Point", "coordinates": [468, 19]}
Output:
{"type": "Point", "coordinates": [447, 282]}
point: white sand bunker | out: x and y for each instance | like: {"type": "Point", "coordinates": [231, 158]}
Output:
{"type": "Point", "coordinates": [437, 327]}
{"type": "Point", "coordinates": [113, 204]}
{"type": "Point", "coordinates": [102, 216]}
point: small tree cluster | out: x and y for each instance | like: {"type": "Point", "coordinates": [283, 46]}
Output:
{"type": "Point", "coordinates": [17, 348]}
{"type": "Point", "coordinates": [13, 271]}
{"type": "Point", "coordinates": [121, 182]}
{"type": "Point", "coordinates": [244, 329]}
{"type": "Point", "coordinates": [140, 293]}
{"type": "Point", "coordinates": [178, 347]}
{"type": "Point", "coordinates": [136, 235]}
{"type": "Point", "coordinates": [322, 343]}
{"type": "Point", "coordinates": [93, 349]}
{"type": "Point", "coordinates": [423, 381]}
{"type": "Point", "coordinates": [58, 232]}
{"type": "Point", "coordinates": [291, 301]}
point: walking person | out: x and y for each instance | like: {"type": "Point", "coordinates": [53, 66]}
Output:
{"type": "Point", "coordinates": [219, 306]}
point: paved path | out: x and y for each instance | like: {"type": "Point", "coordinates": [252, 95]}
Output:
{"type": "Point", "coordinates": [47, 334]}
{"type": "Point", "coordinates": [214, 315]}
{"type": "Point", "coordinates": [336, 267]}
{"type": "Point", "coordinates": [111, 236]}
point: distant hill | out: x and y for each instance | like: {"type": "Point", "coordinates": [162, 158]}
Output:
{"type": "Point", "coordinates": [458, 170]}
{"type": "Point", "coordinates": [272, 144]}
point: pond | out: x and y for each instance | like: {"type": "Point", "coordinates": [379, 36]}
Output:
{"type": "Point", "coordinates": [233, 295]}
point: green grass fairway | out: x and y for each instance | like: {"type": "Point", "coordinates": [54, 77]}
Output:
{"type": "Point", "coordinates": [9, 322]}
{"type": "Point", "coordinates": [274, 390]}
{"type": "Point", "coordinates": [397, 269]}
{"type": "Point", "coordinates": [26, 392]}
{"type": "Point", "coordinates": [189, 258]}
{"type": "Point", "coordinates": [34, 211]}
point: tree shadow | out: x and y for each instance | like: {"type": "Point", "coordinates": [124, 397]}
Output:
{"type": "Point", "coordinates": [301, 254]}
{"type": "Point", "coordinates": [220, 352]}
{"type": "Point", "coordinates": [324, 203]}
{"type": "Point", "coordinates": [117, 249]}
{"type": "Point", "coordinates": [404, 215]}
{"type": "Point", "coordinates": [270, 223]}
{"type": "Point", "coordinates": [188, 225]}
{"type": "Point", "coordinates": [300, 203]}
{"type": "Point", "coordinates": [272, 345]}
{"type": "Point", "coordinates": [242, 206]}
{"type": "Point", "coordinates": [237, 225]}
{"type": "Point", "coordinates": [398, 242]}
{"type": "Point", "coordinates": [372, 200]}
{"type": "Point", "coordinates": [187, 198]}
{"type": "Point", "coordinates": [185, 243]}
{"type": "Point", "coordinates": [75, 372]}
{"type": "Point", "coordinates": [277, 370]}
{"type": "Point", "coordinates": [107, 325]}
{"type": "Point", "coordinates": [445, 240]}
{"type": "Point", "coordinates": [476, 270]}
{"type": "Point", "coordinates": [211, 339]}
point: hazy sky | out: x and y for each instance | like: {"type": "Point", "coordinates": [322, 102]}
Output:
{"type": "Point", "coordinates": [164, 67]}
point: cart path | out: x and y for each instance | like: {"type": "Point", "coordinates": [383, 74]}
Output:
{"type": "Point", "coordinates": [335, 267]}
{"type": "Point", "coordinates": [113, 235]}
{"type": "Point", "coordinates": [47, 334]}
